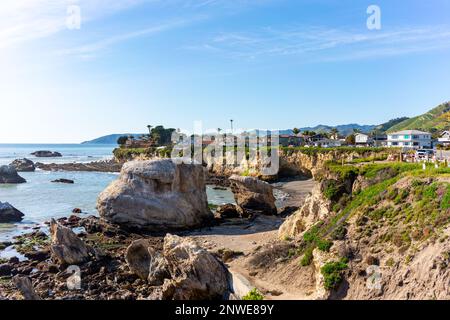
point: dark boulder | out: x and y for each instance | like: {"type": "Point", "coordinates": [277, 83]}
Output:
{"type": "Point", "coordinates": [9, 214]}
{"type": "Point", "coordinates": [67, 181]}
{"type": "Point", "coordinates": [23, 165]}
{"type": "Point", "coordinates": [39, 256]}
{"type": "Point", "coordinates": [8, 174]}
{"type": "Point", "coordinates": [46, 154]}
{"type": "Point", "coordinates": [5, 269]}
{"type": "Point", "coordinates": [227, 211]}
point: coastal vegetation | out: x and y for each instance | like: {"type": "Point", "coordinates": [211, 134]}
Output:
{"type": "Point", "coordinates": [332, 273]}
{"type": "Point", "coordinates": [254, 294]}
{"type": "Point", "coordinates": [435, 120]}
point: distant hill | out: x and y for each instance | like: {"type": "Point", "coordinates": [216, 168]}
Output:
{"type": "Point", "coordinates": [111, 139]}
{"type": "Point", "coordinates": [344, 129]}
{"type": "Point", "coordinates": [387, 125]}
{"type": "Point", "coordinates": [437, 119]}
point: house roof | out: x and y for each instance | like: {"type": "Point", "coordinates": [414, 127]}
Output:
{"type": "Point", "coordinates": [409, 132]}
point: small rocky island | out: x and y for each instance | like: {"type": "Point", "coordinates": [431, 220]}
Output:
{"type": "Point", "coordinates": [23, 165]}
{"type": "Point", "coordinates": [46, 154]}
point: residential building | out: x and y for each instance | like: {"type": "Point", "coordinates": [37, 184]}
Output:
{"type": "Point", "coordinates": [412, 139]}
{"type": "Point", "coordinates": [287, 140]}
{"type": "Point", "coordinates": [362, 139]}
{"type": "Point", "coordinates": [318, 137]}
{"type": "Point", "coordinates": [444, 139]}
{"type": "Point", "coordinates": [327, 143]}
{"type": "Point", "coordinates": [379, 140]}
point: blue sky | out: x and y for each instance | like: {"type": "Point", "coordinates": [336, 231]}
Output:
{"type": "Point", "coordinates": [266, 64]}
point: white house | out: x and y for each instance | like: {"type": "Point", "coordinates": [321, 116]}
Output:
{"type": "Point", "coordinates": [414, 139]}
{"type": "Point", "coordinates": [327, 143]}
{"type": "Point", "coordinates": [444, 138]}
{"type": "Point", "coordinates": [363, 139]}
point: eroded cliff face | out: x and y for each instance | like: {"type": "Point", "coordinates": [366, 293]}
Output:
{"type": "Point", "coordinates": [315, 208]}
{"type": "Point", "coordinates": [389, 236]}
{"type": "Point", "coordinates": [308, 162]}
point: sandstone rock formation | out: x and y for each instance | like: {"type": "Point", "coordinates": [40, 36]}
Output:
{"type": "Point", "coordinates": [46, 154]}
{"type": "Point", "coordinates": [253, 194]}
{"type": "Point", "coordinates": [23, 165]}
{"type": "Point", "coordinates": [146, 263]}
{"type": "Point", "coordinates": [156, 195]}
{"type": "Point", "coordinates": [8, 174]}
{"type": "Point", "coordinates": [9, 214]}
{"type": "Point", "coordinates": [315, 208]}
{"type": "Point", "coordinates": [66, 247]}
{"type": "Point", "coordinates": [195, 273]}
{"type": "Point", "coordinates": [184, 271]}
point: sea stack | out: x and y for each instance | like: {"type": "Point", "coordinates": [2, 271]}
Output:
{"type": "Point", "coordinates": [157, 195]}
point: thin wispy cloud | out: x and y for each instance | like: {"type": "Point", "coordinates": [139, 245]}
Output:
{"type": "Point", "coordinates": [90, 50]}
{"type": "Point", "coordinates": [321, 43]}
{"type": "Point", "coordinates": [26, 20]}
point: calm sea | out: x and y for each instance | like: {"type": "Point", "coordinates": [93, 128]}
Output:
{"type": "Point", "coordinates": [40, 199]}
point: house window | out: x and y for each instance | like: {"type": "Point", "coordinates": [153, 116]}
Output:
{"type": "Point", "coordinates": [416, 137]}
{"type": "Point", "coordinates": [406, 143]}
{"type": "Point", "coordinates": [395, 137]}
{"type": "Point", "coordinates": [395, 143]}
{"type": "Point", "coordinates": [416, 143]}
{"type": "Point", "coordinates": [406, 136]}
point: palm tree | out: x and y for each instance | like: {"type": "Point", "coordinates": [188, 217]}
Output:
{"type": "Point", "coordinates": [149, 127]}
{"type": "Point", "coordinates": [334, 133]}
{"type": "Point", "coordinates": [231, 120]}
{"type": "Point", "coordinates": [296, 131]}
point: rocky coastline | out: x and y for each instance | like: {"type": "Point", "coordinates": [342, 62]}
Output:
{"type": "Point", "coordinates": [95, 166]}
{"type": "Point", "coordinates": [354, 219]}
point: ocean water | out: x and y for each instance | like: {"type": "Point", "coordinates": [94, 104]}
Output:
{"type": "Point", "coordinates": [40, 199]}
{"type": "Point", "coordinates": [71, 152]}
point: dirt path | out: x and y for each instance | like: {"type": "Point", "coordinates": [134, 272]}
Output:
{"type": "Point", "coordinates": [242, 236]}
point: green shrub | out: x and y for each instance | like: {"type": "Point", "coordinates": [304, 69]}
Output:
{"type": "Point", "coordinates": [430, 191]}
{"type": "Point", "coordinates": [445, 202]}
{"type": "Point", "coordinates": [307, 257]}
{"type": "Point", "coordinates": [254, 294]}
{"type": "Point", "coordinates": [324, 245]}
{"type": "Point", "coordinates": [312, 234]}
{"type": "Point", "coordinates": [332, 273]}
{"type": "Point", "coordinates": [331, 190]}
